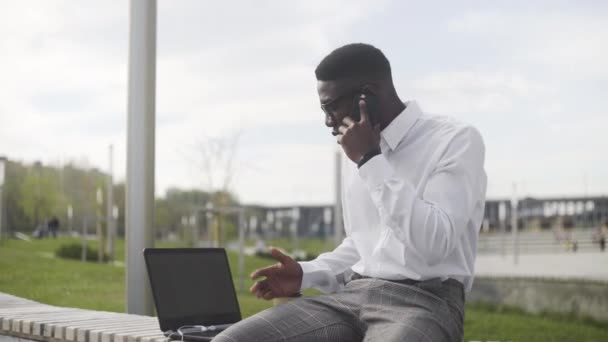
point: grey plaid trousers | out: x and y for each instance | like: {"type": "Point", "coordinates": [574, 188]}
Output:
{"type": "Point", "coordinates": [367, 309]}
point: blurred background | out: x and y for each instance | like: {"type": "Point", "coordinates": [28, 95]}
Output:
{"type": "Point", "coordinates": [238, 126]}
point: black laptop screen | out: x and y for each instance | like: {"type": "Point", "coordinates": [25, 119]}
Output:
{"type": "Point", "coordinates": [192, 286]}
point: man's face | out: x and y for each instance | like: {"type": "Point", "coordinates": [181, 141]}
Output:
{"type": "Point", "coordinates": [338, 99]}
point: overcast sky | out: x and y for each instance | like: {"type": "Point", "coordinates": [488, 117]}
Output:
{"type": "Point", "coordinates": [532, 76]}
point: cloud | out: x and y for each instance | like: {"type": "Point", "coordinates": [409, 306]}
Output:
{"type": "Point", "coordinates": [532, 79]}
{"type": "Point", "coordinates": [566, 42]}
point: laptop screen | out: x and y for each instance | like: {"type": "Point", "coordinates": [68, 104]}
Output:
{"type": "Point", "coordinates": [192, 286]}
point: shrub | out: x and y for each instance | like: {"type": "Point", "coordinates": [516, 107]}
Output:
{"type": "Point", "coordinates": [74, 251]}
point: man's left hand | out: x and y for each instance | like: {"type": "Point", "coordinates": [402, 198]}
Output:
{"type": "Point", "coordinates": [358, 138]}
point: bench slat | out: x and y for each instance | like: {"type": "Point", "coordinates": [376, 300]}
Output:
{"type": "Point", "coordinates": [27, 319]}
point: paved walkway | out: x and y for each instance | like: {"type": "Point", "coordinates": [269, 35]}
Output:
{"type": "Point", "coordinates": [584, 265]}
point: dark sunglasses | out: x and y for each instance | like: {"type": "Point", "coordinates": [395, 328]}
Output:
{"type": "Point", "coordinates": [330, 107]}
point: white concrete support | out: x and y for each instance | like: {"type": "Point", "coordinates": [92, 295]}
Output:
{"type": "Point", "coordinates": [514, 228]}
{"type": "Point", "coordinates": [140, 153]}
{"type": "Point", "coordinates": [241, 227]}
{"type": "Point", "coordinates": [338, 225]}
{"type": "Point", "coordinates": [110, 223]}
{"type": "Point", "coordinates": [2, 172]}
{"type": "Point", "coordinates": [502, 216]}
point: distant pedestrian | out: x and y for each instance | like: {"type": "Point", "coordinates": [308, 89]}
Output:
{"type": "Point", "coordinates": [53, 226]}
{"type": "Point", "coordinates": [602, 236]}
{"type": "Point", "coordinates": [41, 231]}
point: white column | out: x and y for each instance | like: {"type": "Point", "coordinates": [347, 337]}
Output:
{"type": "Point", "coordinates": [110, 224]}
{"type": "Point", "coordinates": [514, 227]}
{"type": "Point", "coordinates": [140, 153]}
{"type": "Point", "coordinates": [2, 171]}
{"type": "Point", "coordinates": [338, 225]}
{"type": "Point", "coordinates": [241, 226]}
{"type": "Point", "coordinates": [502, 216]}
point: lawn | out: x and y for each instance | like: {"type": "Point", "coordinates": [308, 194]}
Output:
{"type": "Point", "coordinates": [30, 270]}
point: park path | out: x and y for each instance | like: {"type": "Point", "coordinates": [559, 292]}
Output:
{"type": "Point", "coordinates": [584, 265]}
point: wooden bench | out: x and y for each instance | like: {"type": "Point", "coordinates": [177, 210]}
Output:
{"type": "Point", "coordinates": [22, 319]}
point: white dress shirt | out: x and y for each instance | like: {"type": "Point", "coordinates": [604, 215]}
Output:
{"type": "Point", "coordinates": [412, 212]}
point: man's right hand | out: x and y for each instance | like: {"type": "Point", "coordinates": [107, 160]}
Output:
{"type": "Point", "coordinates": [283, 279]}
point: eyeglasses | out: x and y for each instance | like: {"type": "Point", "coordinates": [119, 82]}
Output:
{"type": "Point", "coordinates": [330, 107]}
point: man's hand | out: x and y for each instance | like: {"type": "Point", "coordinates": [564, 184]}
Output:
{"type": "Point", "coordinates": [358, 138]}
{"type": "Point", "coordinates": [283, 279]}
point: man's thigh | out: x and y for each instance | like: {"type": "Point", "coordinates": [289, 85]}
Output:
{"type": "Point", "coordinates": [319, 318]}
{"type": "Point", "coordinates": [396, 312]}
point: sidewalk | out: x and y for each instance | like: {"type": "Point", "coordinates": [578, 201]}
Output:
{"type": "Point", "coordinates": [584, 265]}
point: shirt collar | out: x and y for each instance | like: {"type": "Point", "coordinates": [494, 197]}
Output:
{"type": "Point", "coordinates": [398, 128]}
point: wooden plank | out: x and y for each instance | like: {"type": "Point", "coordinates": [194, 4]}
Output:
{"type": "Point", "coordinates": [94, 335]}
{"type": "Point", "coordinates": [8, 318]}
{"type": "Point", "coordinates": [72, 332]}
{"type": "Point", "coordinates": [52, 329]}
{"type": "Point", "coordinates": [158, 338]}
{"type": "Point", "coordinates": [120, 336]}
{"type": "Point", "coordinates": [18, 325]}
{"type": "Point", "coordinates": [38, 327]}
{"type": "Point", "coordinates": [27, 319]}
{"type": "Point", "coordinates": [83, 333]}
{"type": "Point", "coordinates": [60, 329]}
{"type": "Point", "coordinates": [138, 337]}
{"type": "Point", "coordinates": [27, 323]}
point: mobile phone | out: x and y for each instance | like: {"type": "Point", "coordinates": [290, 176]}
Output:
{"type": "Point", "coordinates": [371, 103]}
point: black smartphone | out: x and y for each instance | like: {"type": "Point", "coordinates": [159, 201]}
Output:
{"type": "Point", "coordinates": [371, 103]}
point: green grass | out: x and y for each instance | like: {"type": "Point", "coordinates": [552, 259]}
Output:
{"type": "Point", "coordinates": [29, 270]}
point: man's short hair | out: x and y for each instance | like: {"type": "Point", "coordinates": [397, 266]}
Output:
{"type": "Point", "coordinates": [356, 60]}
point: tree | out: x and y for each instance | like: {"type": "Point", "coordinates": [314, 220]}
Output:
{"type": "Point", "coordinates": [40, 195]}
{"type": "Point", "coordinates": [217, 163]}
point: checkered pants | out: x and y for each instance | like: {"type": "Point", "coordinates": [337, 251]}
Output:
{"type": "Point", "coordinates": [367, 309]}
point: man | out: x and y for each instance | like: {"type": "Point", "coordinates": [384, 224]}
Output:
{"type": "Point", "coordinates": [413, 198]}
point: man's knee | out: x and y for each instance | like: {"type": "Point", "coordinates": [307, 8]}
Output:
{"type": "Point", "coordinates": [289, 321]}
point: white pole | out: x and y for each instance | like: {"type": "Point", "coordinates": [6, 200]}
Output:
{"type": "Point", "coordinates": [295, 217]}
{"type": "Point", "coordinates": [84, 239]}
{"type": "Point", "coordinates": [502, 216]}
{"type": "Point", "coordinates": [338, 200]}
{"type": "Point", "coordinates": [2, 172]}
{"type": "Point", "coordinates": [140, 153]}
{"type": "Point", "coordinates": [111, 227]}
{"type": "Point", "coordinates": [70, 217]}
{"type": "Point", "coordinates": [195, 234]}
{"type": "Point", "coordinates": [1, 208]}
{"type": "Point", "coordinates": [241, 227]}
{"type": "Point", "coordinates": [514, 227]}
{"type": "Point", "coordinates": [98, 229]}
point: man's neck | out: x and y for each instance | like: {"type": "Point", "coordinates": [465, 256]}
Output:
{"type": "Point", "coordinates": [393, 110]}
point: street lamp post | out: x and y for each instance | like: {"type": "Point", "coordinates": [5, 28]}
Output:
{"type": "Point", "coordinates": [70, 217]}
{"type": "Point", "coordinates": [139, 215]}
{"type": "Point", "coordinates": [514, 223]}
{"type": "Point", "coordinates": [195, 233]}
{"type": "Point", "coordinates": [295, 217]}
{"type": "Point", "coordinates": [2, 169]}
{"type": "Point", "coordinates": [99, 229]}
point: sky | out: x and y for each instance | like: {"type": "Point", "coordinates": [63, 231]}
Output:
{"type": "Point", "coordinates": [532, 76]}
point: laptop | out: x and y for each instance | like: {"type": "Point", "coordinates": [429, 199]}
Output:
{"type": "Point", "coordinates": [193, 291]}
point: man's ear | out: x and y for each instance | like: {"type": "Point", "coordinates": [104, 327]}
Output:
{"type": "Point", "coordinates": [369, 89]}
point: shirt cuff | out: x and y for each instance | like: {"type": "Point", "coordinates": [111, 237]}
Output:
{"type": "Point", "coordinates": [375, 172]}
{"type": "Point", "coordinates": [308, 277]}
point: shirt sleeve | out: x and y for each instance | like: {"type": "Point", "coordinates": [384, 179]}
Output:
{"type": "Point", "coordinates": [325, 273]}
{"type": "Point", "coordinates": [431, 225]}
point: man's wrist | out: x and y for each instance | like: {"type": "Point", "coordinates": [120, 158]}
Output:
{"type": "Point", "coordinates": [367, 156]}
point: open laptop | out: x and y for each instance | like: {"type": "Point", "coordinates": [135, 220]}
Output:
{"type": "Point", "coordinates": [193, 291]}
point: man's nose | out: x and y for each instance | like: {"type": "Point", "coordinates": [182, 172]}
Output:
{"type": "Point", "coordinates": [329, 120]}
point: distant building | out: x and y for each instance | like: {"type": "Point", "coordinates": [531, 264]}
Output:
{"type": "Point", "coordinates": [540, 213]}
{"type": "Point", "coordinates": [546, 213]}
